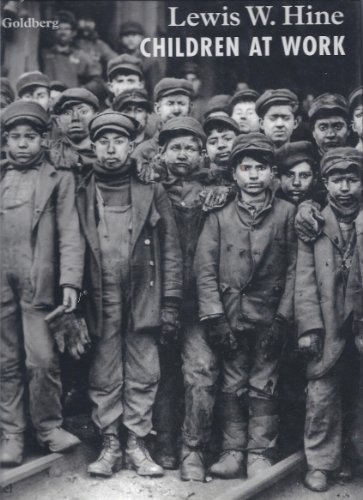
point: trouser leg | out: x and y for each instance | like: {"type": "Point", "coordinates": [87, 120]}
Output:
{"type": "Point", "coordinates": [142, 374]}
{"type": "Point", "coordinates": [323, 422]}
{"type": "Point", "coordinates": [200, 371]}
{"type": "Point", "coordinates": [106, 372]}
{"type": "Point", "coordinates": [42, 363]}
{"type": "Point", "coordinates": [167, 408]}
{"type": "Point", "coordinates": [263, 425]}
{"type": "Point", "coordinates": [12, 415]}
{"type": "Point", "coordinates": [232, 401]}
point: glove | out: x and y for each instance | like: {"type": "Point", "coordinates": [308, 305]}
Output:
{"type": "Point", "coordinates": [311, 345]}
{"type": "Point", "coordinates": [272, 342]}
{"type": "Point", "coordinates": [69, 332]}
{"type": "Point", "coordinates": [220, 336]}
{"type": "Point", "coordinates": [215, 198]}
{"type": "Point", "coordinates": [170, 322]}
{"type": "Point", "coordinates": [309, 221]}
{"type": "Point", "coordinates": [358, 330]}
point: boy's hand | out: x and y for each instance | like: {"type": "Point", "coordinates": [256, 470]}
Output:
{"type": "Point", "coordinates": [311, 345]}
{"type": "Point", "coordinates": [70, 298]}
{"type": "Point", "coordinates": [271, 344]}
{"type": "Point", "coordinates": [170, 322]}
{"type": "Point", "coordinates": [220, 336]}
{"type": "Point", "coordinates": [309, 221]}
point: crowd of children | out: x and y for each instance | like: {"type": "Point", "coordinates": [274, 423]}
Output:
{"type": "Point", "coordinates": [202, 254]}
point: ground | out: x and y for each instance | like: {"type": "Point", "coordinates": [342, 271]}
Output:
{"type": "Point", "coordinates": [67, 479]}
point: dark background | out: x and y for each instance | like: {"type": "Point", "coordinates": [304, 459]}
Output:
{"type": "Point", "coordinates": [302, 73]}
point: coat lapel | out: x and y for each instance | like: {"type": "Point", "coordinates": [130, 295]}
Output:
{"type": "Point", "coordinates": [141, 199]}
{"type": "Point", "coordinates": [332, 230]}
{"type": "Point", "coordinates": [85, 200]}
{"type": "Point", "coordinates": [46, 181]}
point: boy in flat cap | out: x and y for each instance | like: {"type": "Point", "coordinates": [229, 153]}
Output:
{"type": "Point", "coordinates": [277, 109]}
{"type": "Point", "coordinates": [245, 267]}
{"type": "Point", "coordinates": [34, 86]}
{"type": "Point", "coordinates": [296, 169]}
{"type": "Point", "coordinates": [329, 124]}
{"type": "Point", "coordinates": [135, 103]}
{"type": "Point", "coordinates": [328, 116]}
{"type": "Point", "coordinates": [65, 62]}
{"type": "Point", "coordinates": [243, 110]}
{"type": "Point", "coordinates": [124, 72]}
{"type": "Point", "coordinates": [73, 110]}
{"type": "Point", "coordinates": [324, 309]}
{"type": "Point", "coordinates": [134, 278]}
{"type": "Point", "coordinates": [182, 141]}
{"type": "Point", "coordinates": [172, 98]}
{"type": "Point", "coordinates": [221, 132]}
{"type": "Point", "coordinates": [131, 36]}
{"type": "Point", "coordinates": [355, 102]}
{"type": "Point", "coordinates": [42, 255]}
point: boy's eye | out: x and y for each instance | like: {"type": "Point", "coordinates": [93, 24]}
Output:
{"type": "Point", "coordinates": [305, 176]}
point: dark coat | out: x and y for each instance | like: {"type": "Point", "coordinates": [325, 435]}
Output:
{"type": "Point", "coordinates": [58, 246]}
{"type": "Point", "coordinates": [156, 261]}
{"type": "Point", "coordinates": [246, 268]}
{"type": "Point", "coordinates": [321, 301]}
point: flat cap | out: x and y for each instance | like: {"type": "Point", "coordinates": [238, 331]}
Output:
{"type": "Point", "coordinates": [246, 95]}
{"type": "Point", "coordinates": [221, 121]}
{"type": "Point", "coordinates": [341, 159]}
{"type": "Point", "coordinates": [66, 16]}
{"type": "Point", "coordinates": [171, 86]}
{"type": "Point", "coordinates": [292, 153]}
{"type": "Point", "coordinates": [189, 67]}
{"type": "Point", "coordinates": [328, 105]}
{"type": "Point", "coordinates": [75, 95]}
{"type": "Point", "coordinates": [276, 97]}
{"type": "Point", "coordinates": [355, 98]}
{"type": "Point", "coordinates": [132, 96]}
{"type": "Point", "coordinates": [218, 103]}
{"type": "Point", "coordinates": [112, 121]}
{"type": "Point", "coordinates": [125, 63]}
{"type": "Point", "coordinates": [6, 90]}
{"type": "Point", "coordinates": [58, 85]}
{"type": "Point", "coordinates": [28, 111]}
{"type": "Point", "coordinates": [181, 124]}
{"type": "Point", "coordinates": [254, 142]}
{"type": "Point", "coordinates": [31, 79]}
{"type": "Point", "coordinates": [131, 28]}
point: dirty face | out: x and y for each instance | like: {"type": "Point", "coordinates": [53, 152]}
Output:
{"type": "Point", "coordinates": [345, 186]}
{"type": "Point", "coordinates": [244, 113]}
{"type": "Point", "coordinates": [357, 122]}
{"type": "Point", "coordinates": [252, 176]}
{"type": "Point", "coordinates": [297, 182]}
{"type": "Point", "coordinates": [41, 95]}
{"type": "Point", "coordinates": [278, 124]}
{"type": "Point", "coordinates": [139, 113]}
{"type": "Point", "coordinates": [182, 155]}
{"type": "Point", "coordinates": [219, 145]}
{"type": "Point", "coordinates": [112, 150]}
{"type": "Point", "coordinates": [24, 143]}
{"type": "Point", "coordinates": [125, 81]}
{"type": "Point", "coordinates": [74, 119]}
{"type": "Point", "coordinates": [172, 106]}
{"type": "Point", "coordinates": [330, 132]}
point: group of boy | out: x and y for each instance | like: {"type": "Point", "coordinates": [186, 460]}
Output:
{"type": "Point", "coordinates": [187, 245]}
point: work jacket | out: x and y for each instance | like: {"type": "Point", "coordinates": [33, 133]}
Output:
{"type": "Point", "coordinates": [156, 261]}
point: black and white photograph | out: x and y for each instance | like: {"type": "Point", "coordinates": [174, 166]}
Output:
{"type": "Point", "coordinates": [181, 250]}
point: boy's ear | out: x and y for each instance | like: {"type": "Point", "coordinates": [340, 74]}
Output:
{"type": "Point", "coordinates": [131, 147]}
{"type": "Point", "coordinates": [93, 146]}
{"type": "Point", "coordinates": [261, 124]}
{"type": "Point", "coordinates": [325, 181]}
{"type": "Point", "coordinates": [297, 121]}
{"type": "Point", "coordinates": [156, 107]}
